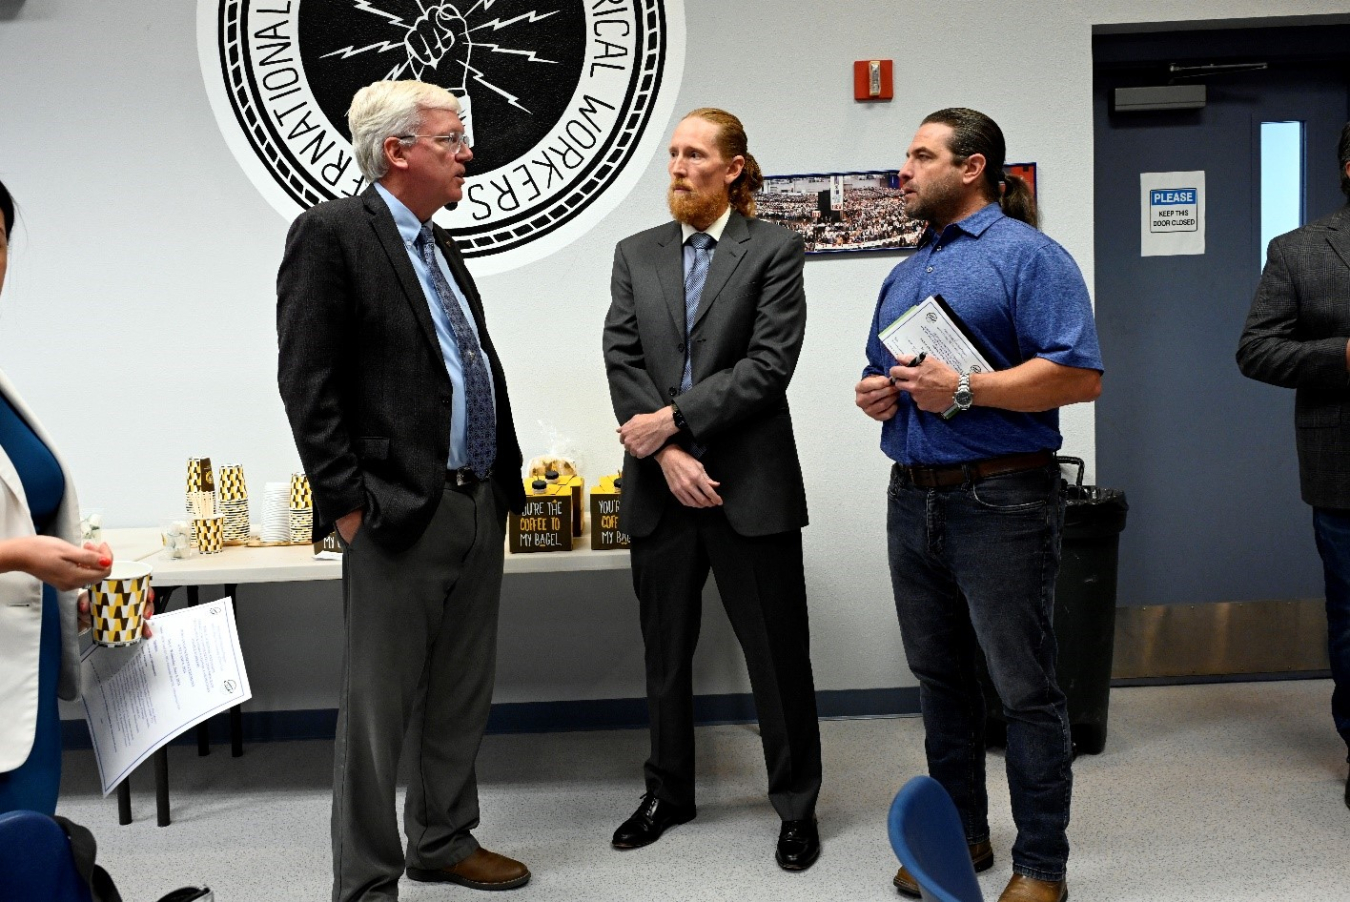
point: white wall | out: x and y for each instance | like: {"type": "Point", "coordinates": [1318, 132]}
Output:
{"type": "Point", "coordinates": [138, 317]}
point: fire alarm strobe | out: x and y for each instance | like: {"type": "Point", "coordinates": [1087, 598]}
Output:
{"type": "Point", "coordinates": [872, 80]}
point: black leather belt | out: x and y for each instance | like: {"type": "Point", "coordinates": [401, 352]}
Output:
{"type": "Point", "coordinates": [465, 478]}
{"type": "Point", "coordinates": [975, 470]}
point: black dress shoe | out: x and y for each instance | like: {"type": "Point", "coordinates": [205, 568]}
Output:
{"type": "Point", "coordinates": [651, 819]}
{"type": "Point", "coordinates": [798, 845]}
{"type": "Point", "coordinates": [1347, 792]}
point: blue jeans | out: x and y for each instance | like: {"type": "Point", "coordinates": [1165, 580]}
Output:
{"type": "Point", "coordinates": [1332, 528]}
{"type": "Point", "coordinates": [973, 568]}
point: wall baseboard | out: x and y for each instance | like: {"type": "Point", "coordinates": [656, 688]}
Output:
{"type": "Point", "coordinates": [550, 717]}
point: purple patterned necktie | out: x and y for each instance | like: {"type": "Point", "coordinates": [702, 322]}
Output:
{"type": "Point", "coordinates": [481, 415]}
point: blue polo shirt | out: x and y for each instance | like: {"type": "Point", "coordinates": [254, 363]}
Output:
{"type": "Point", "coordinates": [1020, 295]}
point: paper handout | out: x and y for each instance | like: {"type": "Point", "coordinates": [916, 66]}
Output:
{"type": "Point", "coordinates": [930, 326]}
{"type": "Point", "coordinates": [139, 697]}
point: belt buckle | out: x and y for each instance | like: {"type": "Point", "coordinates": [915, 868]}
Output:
{"type": "Point", "coordinates": [466, 476]}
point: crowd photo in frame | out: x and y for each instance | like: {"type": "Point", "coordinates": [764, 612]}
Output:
{"type": "Point", "coordinates": [849, 212]}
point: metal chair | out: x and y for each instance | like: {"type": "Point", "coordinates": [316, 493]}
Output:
{"type": "Point", "coordinates": [927, 837]}
{"type": "Point", "coordinates": [36, 861]}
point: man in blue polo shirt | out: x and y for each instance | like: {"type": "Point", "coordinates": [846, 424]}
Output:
{"type": "Point", "coordinates": [975, 511]}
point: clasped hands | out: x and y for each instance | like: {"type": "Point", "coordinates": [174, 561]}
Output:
{"type": "Point", "coordinates": [645, 435]}
{"type": "Point", "coordinates": [931, 385]}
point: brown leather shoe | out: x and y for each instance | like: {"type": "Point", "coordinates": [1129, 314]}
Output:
{"type": "Point", "coordinates": [1029, 889]}
{"type": "Point", "coordinates": [481, 870]}
{"type": "Point", "coordinates": [981, 856]}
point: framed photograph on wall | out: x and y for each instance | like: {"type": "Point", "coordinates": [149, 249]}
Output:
{"type": "Point", "coordinates": [849, 212]}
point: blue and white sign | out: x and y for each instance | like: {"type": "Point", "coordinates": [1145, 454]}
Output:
{"type": "Point", "coordinates": [1172, 207]}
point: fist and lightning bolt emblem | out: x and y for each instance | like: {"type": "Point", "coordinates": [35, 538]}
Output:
{"type": "Point", "coordinates": [436, 42]}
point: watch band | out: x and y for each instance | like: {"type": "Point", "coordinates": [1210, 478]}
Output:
{"type": "Point", "coordinates": [678, 417]}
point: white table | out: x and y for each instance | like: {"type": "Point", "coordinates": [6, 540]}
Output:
{"type": "Point", "coordinates": [244, 565]}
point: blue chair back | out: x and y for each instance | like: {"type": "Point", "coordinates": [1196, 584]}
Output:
{"type": "Point", "coordinates": [36, 862]}
{"type": "Point", "coordinates": [927, 837]}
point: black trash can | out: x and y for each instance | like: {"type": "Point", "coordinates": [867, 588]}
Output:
{"type": "Point", "coordinates": [1085, 613]}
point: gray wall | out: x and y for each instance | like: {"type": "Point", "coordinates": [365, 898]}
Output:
{"type": "Point", "coordinates": [138, 315]}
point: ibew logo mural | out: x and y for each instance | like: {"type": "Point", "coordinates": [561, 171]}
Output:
{"type": "Point", "coordinates": [565, 101]}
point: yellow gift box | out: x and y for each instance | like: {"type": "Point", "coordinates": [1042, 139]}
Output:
{"type": "Point", "coordinates": [546, 523]}
{"type": "Point", "coordinates": [606, 500]}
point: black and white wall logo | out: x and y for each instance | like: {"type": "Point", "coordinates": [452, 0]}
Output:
{"type": "Point", "coordinates": [565, 101]}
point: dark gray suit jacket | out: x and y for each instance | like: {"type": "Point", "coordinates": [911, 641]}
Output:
{"type": "Point", "coordinates": [1296, 335]}
{"type": "Point", "coordinates": [361, 372]}
{"type": "Point", "coordinates": [747, 335]}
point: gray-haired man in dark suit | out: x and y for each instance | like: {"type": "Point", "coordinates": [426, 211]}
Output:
{"type": "Point", "coordinates": [399, 410]}
{"type": "Point", "coordinates": [706, 321]}
{"type": "Point", "coordinates": [1298, 336]}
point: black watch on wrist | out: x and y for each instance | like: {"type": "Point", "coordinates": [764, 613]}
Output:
{"type": "Point", "coordinates": [680, 424]}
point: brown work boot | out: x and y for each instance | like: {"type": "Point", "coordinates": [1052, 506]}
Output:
{"type": "Point", "coordinates": [481, 870]}
{"type": "Point", "coordinates": [1029, 889]}
{"type": "Point", "coordinates": [981, 856]}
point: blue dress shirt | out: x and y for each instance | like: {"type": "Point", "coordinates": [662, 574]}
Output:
{"type": "Point", "coordinates": [409, 227]}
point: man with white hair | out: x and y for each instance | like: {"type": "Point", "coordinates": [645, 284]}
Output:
{"type": "Point", "coordinates": [398, 405]}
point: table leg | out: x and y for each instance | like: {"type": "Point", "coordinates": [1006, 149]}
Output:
{"type": "Point", "coordinates": [163, 596]}
{"type": "Point", "coordinates": [236, 712]}
{"type": "Point", "coordinates": [162, 786]}
{"type": "Point", "coordinates": [124, 801]}
{"type": "Point", "coordinates": [203, 729]}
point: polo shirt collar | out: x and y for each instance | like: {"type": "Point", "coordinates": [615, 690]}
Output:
{"type": "Point", "coordinates": [974, 225]}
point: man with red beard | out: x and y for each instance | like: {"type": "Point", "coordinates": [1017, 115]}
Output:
{"type": "Point", "coordinates": [702, 336]}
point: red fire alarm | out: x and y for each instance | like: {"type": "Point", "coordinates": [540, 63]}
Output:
{"type": "Point", "coordinates": [872, 80]}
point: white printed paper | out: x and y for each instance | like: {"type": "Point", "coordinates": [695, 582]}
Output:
{"type": "Point", "coordinates": [139, 697]}
{"type": "Point", "coordinates": [927, 327]}
{"type": "Point", "coordinates": [1172, 211]}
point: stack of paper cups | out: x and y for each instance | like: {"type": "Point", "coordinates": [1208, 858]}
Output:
{"type": "Point", "coordinates": [234, 503]}
{"type": "Point", "coordinates": [301, 509]}
{"type": "Point", "coordinates": [200, 480]}
{"type": "Point", "coordinates": [276, 524]}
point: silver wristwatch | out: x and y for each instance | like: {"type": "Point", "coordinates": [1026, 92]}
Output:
{"type": "Point", "coordinates": [962, 398]}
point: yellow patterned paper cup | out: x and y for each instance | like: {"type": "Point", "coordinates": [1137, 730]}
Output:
{"type": "Point", "coordinates": [199, 475]}
{"type": "Point", "coordinates": [210, 534]}
{"type": "Point", "coordinates": [231, 485]}
{"type": "Point", "coordinates": [117, 604]}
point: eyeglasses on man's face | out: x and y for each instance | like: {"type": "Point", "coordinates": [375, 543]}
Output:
{"type": "Point", "coordinates": [453, 143]}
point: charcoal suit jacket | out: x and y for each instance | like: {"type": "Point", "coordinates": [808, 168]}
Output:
{"type": "Point", "coordinates": [746, 337]}
{"type": "Point", "coordinates": [362, 376]}
{"type": "Point", "coordinates": [1296, 335]}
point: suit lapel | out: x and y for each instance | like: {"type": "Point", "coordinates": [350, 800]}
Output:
{"type": "Point", "coordinates": [382, 223]}
{"type": "Point", "coordinates": [1339, 235]}
{"type": "Point", "coordinates": [670, 272]}
{"type": "Point", "coordinates": [730, 251]}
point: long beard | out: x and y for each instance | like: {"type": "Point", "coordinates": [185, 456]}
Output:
{"type": "Point", "coordinates": [693, 208]}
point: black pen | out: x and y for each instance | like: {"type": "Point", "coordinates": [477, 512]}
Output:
{"type": "Point", "coordinates": [918, 359]}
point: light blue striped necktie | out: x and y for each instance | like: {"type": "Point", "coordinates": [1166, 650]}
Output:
{"type": "Point", "coordinates": [697, 274]}
{"type": "Point", "coordinates": [480, 414]}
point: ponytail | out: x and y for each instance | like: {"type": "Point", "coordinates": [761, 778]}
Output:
{"type": "Point", "coordinates": [1017, 201]}
{"type": "Point", "coordinates": [746, 185]}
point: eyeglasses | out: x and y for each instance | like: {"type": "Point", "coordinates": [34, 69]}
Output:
{"type": "Point", "coordinates": [451, 143]}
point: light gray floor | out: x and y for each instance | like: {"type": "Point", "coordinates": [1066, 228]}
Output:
{"type": "Point", "coordinates": [1219, 792]}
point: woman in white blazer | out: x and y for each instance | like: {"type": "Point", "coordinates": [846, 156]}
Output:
{"type": "Point", "coordinates": [42, 570]}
